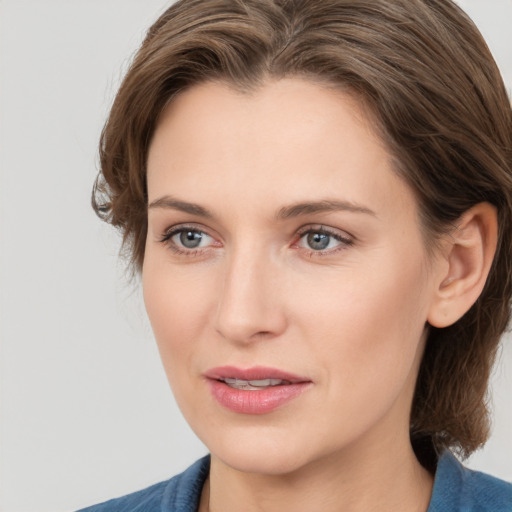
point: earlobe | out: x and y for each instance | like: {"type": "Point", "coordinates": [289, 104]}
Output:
{"type": "Point", "coordinates": [469, 253]}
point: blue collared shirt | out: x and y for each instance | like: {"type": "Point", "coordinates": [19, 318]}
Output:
{"type": "Point", "coordinates": [456, 489]}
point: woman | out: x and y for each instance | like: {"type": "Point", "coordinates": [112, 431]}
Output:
{"type": "Point", "coordinates": [318, 195]}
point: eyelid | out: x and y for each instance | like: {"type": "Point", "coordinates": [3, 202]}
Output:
{"type": "Point", "coordinates": [343, 237]}
{"type": "Point", "coordinates": [321, 228]}
{"type": "Point", "coordinates": [183, 226]}
{"type": "Point", "coordinates": [173, 230]}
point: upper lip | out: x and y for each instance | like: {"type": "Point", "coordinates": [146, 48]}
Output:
{"type": "Point", "coordinates": [254, 373]}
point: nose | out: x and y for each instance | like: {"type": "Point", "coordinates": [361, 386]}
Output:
{"type": "Point", "coordinates": [251, 302]}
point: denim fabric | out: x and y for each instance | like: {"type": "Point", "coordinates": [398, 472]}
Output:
{"type": "Point", "coordinates": [179, 494]}
{"type": "Point", "coordinates": [456, 489]}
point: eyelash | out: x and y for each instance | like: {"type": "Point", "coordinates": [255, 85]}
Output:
{"type": "Point", "coordinates": [167, 236]}
{"type": "Point", "coordinates": [344, 241]}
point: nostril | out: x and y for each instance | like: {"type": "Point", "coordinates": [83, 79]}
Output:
{"type": "Point", "coordinates": [262, 334]}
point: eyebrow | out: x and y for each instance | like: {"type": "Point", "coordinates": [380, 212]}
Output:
{"type": "Point", "coordinates": [183, 206]}
{"type": "Point", "coordinates": [298, 209]}
{"type": "Point", "coordinates": [287, 212]}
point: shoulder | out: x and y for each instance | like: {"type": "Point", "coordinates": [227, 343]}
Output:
{"type": "Point", "coordinates": [180, 493]}
{"type": "Point", "coordinates": [149, 500]}
{"type": "Point", "coordinates": [458, 489]}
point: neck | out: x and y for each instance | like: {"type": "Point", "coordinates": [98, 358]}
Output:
{"type": "Point", "coordinates": [346, 482]}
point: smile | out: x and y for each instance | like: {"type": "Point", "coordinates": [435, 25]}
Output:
{"type": "Point", "coordinates": [256, 390]}
{"type": "Point", "coordinates": [254, 385]}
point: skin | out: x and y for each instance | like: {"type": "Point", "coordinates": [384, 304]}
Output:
{"type": "Point", "coordinates": [350, 317]}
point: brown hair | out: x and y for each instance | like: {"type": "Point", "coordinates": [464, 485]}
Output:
{"type": "Point", "coordinates": [431, 85]}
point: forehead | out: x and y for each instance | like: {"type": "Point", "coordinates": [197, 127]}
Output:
{"type": "Point", "coordinates": [295, 107]}
{"type": "Point", "coordinates": [288, 140]}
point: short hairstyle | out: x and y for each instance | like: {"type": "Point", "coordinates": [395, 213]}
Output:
{"type": "Point", "coordinates": [426, 78]}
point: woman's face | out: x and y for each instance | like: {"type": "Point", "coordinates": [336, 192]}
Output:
{"type": "Point", "coordinates": [285, 275]}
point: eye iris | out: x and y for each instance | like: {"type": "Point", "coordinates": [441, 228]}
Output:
{"type": "Point", "coordinates": [190, 239]}
{"type": "Point", "coordinates": [318, 241]}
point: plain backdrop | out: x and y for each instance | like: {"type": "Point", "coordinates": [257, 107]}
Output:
{"type": "Point", "coordinates": [86, 413]}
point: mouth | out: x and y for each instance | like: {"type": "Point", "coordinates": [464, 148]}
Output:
{"type": "Point", "coordinates": [254, 385]}
{"type": "Point", "coordinates": [257, 390]}
{"type": "Point", "coordinates": [257, 377]}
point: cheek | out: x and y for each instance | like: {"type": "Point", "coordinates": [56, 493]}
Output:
{"type": "Point", "coordinates": [366, 326]}
{"type": "Point", "coordinates": [178, 304]}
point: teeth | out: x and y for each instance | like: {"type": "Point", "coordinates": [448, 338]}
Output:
{"type": "Point", "coordinates": [265, 382]}
{"type": "Point", "coordinates": [253, 384]}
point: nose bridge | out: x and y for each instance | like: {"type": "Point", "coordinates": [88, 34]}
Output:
{"type": "Point", "coordinates": [249, 303]}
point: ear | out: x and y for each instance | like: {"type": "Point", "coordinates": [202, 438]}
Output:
{"type": "Point", "coordinates": [465, 264]}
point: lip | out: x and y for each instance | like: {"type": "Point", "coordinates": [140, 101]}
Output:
{"type": "Point", "coordinates": [258, 401]}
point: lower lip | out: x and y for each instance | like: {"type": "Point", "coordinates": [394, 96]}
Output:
{"type": "Point", "coordinates": [258, 401]}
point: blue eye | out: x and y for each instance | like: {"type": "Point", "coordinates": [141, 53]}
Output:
{"type": "Point", "coordinates": [186, 239]}
{"type": "Point", "coordinates": [322, 240]}
{"type": "Point", "coordinates": [318, 241]}
{"type": "Point", "coordinates": [189, 239]}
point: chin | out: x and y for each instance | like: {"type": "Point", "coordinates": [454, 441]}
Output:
{"type": "Point", "coordinates": [259, 451]}
{"type": "Point", "coordinates": [260, 461]}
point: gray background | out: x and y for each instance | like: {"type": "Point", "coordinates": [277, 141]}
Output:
{"type": "Point", "coordinates": [86, 413]}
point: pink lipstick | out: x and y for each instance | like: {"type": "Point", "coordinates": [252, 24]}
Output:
{"type": "Point", "coordinates": [256, 390]}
